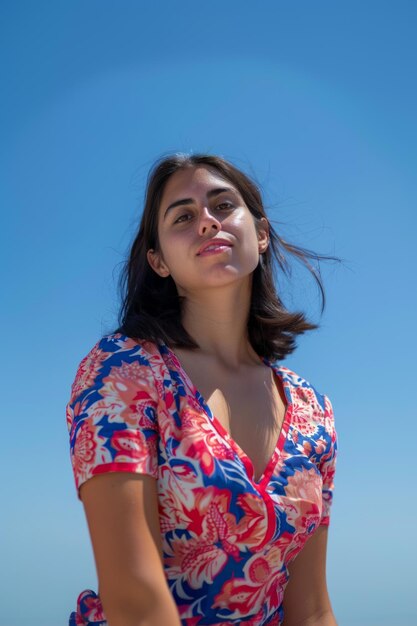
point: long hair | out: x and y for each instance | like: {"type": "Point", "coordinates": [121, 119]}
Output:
{"type": "Point", "coordinates": [151, 307]}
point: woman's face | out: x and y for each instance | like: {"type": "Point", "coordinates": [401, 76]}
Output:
{"type": "Point", "coordinates": [207, 235]}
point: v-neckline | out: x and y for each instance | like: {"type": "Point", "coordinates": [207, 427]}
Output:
{"type": "Point", "coordinates": [261, 482]}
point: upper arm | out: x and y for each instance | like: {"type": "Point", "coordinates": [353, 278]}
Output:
{"type": "Point", "coordinates": [306, 594]}
{"type": "Point", "coordinates": [112, 418]}
{"type": "Point", "coordinates": [122, 516]}
{"type": "Point", "coordinates": [328, 461]}
{"type": "Point", "coordinates": [112, 412]}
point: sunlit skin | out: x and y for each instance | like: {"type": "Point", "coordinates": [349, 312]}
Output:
{"type": "Point", "coordinates": [122, 508]}
{"type": "Point", "coordinates": [183, 229]}
{"type": "Point", "coordinates": [217, 286]}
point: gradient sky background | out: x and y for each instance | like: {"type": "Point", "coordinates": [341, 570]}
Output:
{"type": "Point", "coordinates": [318, 101]}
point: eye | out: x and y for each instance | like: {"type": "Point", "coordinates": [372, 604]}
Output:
{"type": "Point", "coordinates": [182, 218]}
{"type": "Point", "coordinates": [224, 206]}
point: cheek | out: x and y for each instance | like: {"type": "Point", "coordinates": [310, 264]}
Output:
{"type": "Point", "coordinates": [246, 230]}
{"type": "Point", "coordinates": [243, 219]}
{"type": "Point", "coordinates": [173, 254]}
{"type": "Point", "coordinates": [166, 246]}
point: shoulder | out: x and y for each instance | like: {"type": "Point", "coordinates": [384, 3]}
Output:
{"type": "Point", "coordinates": [312, 414]}
{"type": "Point", "coordinates": [117, 343]}
{"type": "Point", "coordinates": [305, 392]}
{"type": "Point", "coordinates": [115, 355]}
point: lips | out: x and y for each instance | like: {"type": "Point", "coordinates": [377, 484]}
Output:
{"type": "Point", "coordinates": [213, 244]}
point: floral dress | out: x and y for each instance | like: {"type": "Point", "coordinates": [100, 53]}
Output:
{"type": "Point", "coordinates": [227, 538]}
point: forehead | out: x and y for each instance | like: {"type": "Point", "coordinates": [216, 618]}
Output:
{"type": "Point", "coordinates": [191, 182]}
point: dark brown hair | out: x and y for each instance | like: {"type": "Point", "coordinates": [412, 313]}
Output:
{"type": "Point", "coordinates": [151, 306]}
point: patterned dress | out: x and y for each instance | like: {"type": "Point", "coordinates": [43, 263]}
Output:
{"type": "Point", "coordinates": [227, 538]}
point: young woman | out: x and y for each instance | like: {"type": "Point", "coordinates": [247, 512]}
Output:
{"type": "Point", "coordinates": [205, 468]}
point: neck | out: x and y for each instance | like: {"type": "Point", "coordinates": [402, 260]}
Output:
{"type": "Point", "coordinates": [217, 320]}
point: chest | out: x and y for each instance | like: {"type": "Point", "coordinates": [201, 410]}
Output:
{"type": "Point", "coordinates": [250, 406]}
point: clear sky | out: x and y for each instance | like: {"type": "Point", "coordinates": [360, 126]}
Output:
{"type": "Point", "coordinates": [318, 101]}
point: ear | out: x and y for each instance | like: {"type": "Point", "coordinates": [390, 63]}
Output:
{"type": "Point", "coordinates": [263, 234]}
{"type": "Point", "coordinates": [157, 263]}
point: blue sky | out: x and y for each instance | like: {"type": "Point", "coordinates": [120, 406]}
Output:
{"type": "Point", "coordinates": [317, 101]}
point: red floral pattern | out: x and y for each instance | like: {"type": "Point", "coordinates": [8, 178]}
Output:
{"type": "Point", "coordinates": [227, 539]}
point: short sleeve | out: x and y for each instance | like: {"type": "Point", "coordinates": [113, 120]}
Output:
{"type": "Point", "coordinates": [328, 462]}
{"type": "Point", "coordinates": [112, 412]}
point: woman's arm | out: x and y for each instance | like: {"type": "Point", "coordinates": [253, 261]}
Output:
{"type": "Point", "coordinates": [306, 600]}
{"type": "Point", "coordinates": [122, 516]}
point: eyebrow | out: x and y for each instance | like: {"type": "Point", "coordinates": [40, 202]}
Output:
{"type": "Point", "coordinates": [210, 194]}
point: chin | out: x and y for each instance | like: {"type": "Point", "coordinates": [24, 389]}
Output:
{"type": "Point", "coordinates": [222, 279]}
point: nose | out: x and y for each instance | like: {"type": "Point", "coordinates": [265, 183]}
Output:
{"type": "Point", "coordinates": [207, 222]}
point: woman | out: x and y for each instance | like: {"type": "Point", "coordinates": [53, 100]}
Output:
{"type": "Point", "coordinates": [205, 468]}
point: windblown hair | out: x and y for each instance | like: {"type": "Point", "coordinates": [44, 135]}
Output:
{"type": "Point", "coordinates": [151, 307]}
